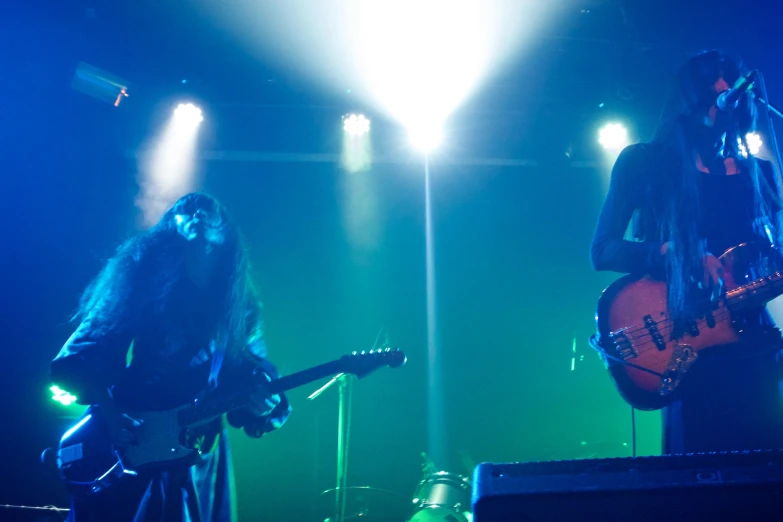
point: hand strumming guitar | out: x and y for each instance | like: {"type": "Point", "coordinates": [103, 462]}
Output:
{"type": "Point", "coordinates": [123, 429]}
{"type": "Point", "coordinates": [262, 402]}
{"type": "Point", "coordinates": [713, 278]}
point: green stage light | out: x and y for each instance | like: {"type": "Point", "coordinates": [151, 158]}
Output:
{"type": "Point", "coordinates": [62, 396]}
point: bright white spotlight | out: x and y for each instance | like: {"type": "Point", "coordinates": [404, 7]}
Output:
{"type": "Point", "coordinates": [356, 124]}
{"type": "Point", "coordinates": [168, 171]}
{"type": "Point", "coordinates": [187, 113]}
{"type": "Point", "coordinates": [425, 137]}
{"type": "Point", "coordinates": [753, 139]}
{"type": "Point", "coordinates": [613, 136]}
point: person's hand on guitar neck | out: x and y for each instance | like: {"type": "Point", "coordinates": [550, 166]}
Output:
{"type": "Point", "coordinates": [262, 402]}
{"type": "Point", "coordinates": [123, 429]}
{"type": "Point", "coordinates": [713, 278]}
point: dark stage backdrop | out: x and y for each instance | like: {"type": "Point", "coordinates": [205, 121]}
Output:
{"type": "Point", "coordinates": [341, 255]}
{"type": "Point", "coordinates": [338, 256]}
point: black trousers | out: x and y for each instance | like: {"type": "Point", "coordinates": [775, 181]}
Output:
{"type": "Point", "coordinates": [726, 402]}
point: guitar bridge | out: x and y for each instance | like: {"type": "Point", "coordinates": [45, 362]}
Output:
{"type": "Point", "coordinates": [624, 346]}
{"type": "Point", "coordinates": [683, 356]}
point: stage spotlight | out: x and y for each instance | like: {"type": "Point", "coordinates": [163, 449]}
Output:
{"type": "Point", "coordinates": [613, 136]}
{"type": "Point", "coordinates": [188, 114]}
{"type": "Point", "coordinates": [168, 170]}
{"type": "Point", "coordinates": [425, 137]}
{"type": "Point", "coordinates": [753, 139]}
{"type": "Point", "coordinates": [356, 124]}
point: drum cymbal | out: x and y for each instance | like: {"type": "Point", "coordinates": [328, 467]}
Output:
{"type": "Point", "coordinates": [368, 502]}
{"type": "Point", "coordinates": [366, 490]}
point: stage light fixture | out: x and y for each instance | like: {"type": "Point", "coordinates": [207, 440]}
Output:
{"type": "Point", "coordinates": [356, 124]}
{"type": "Point", "coordinates": [425, 138]}
{"type": "Point", "coordinates": [188, 114]}
{"type": "Point", "coordinates": [613, 136]}
{"type": "Point", "coordinates": [753, 139]}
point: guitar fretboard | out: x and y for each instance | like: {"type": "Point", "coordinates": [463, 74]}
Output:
{"type": "Point", "coordinates": [204, 411]}
{"type": "Point", "coordinates": [756, 293]}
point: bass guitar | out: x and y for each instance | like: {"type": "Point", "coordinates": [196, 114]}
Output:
{"type": "Point", "coordinates": [89, 463]}
{"type": "Point", "coordinates": [646, 358]}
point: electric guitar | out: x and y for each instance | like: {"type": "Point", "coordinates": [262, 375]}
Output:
{"type": "Point", "coordinates": [636, 337]}
{"type": "Point", "coordinates": [89, 463]}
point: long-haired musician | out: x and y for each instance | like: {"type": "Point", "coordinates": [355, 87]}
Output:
{"type": "Point", "coordinates": [691, 193]}
{"type": "Point", "coordinates": [172, 314]}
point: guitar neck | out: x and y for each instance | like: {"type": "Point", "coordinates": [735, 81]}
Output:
{"type": "Point", "coordinates": [295, 380]}
{"type": "Point", "coordinates": [211, 408]}
{"type": "Point", "coordinates": [360, 364]}
{"type": "Point", "coordinates": [755, 294]}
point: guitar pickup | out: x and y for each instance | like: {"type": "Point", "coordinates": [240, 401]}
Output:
{"type": "Point", "coordinates": [657, 338]}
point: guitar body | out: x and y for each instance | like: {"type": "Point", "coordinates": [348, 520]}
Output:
{"type": "Point", "coordinates": [635, 333]}
{"type": "Point", "coordinates": [86, 452]}
{"type": "Point", "coordinates": [645, 378]}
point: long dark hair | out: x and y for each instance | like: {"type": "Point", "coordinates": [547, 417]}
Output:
{"type": "Point", "coordinates": [673, 198]}
{"type": "Point", "coordinates": [146, 271]}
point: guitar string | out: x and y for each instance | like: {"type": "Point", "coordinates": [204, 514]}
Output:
{"type": "Point", "coordinates": [635, 340]}
{"type": "Point", "coordinates": [643, 346]}
{"type": "Point", "coordinates": [719, 316]}
{"type": "Point", "coordinates": [729, 298]}
{"type": "Point", "coordinates": [728, 301]}
{"type": "Point", "coordinates": [664, 323]}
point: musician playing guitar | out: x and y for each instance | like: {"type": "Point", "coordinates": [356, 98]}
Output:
{"type": "Point", "coordinates": [691, 194]}
{"type": "Point", "coordinates": [181, 295]}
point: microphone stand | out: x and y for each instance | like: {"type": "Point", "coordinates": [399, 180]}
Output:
{"type": "Point", "coordinates": [770, 110]}
{"type": "Point", "coordinates": [344, 384]}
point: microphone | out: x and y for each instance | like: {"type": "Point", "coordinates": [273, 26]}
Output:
{"type": "Point", "coordinates": [728, 100]}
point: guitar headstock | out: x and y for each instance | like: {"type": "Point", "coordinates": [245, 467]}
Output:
{"type": "Point", "coordinates": [362, 364]}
